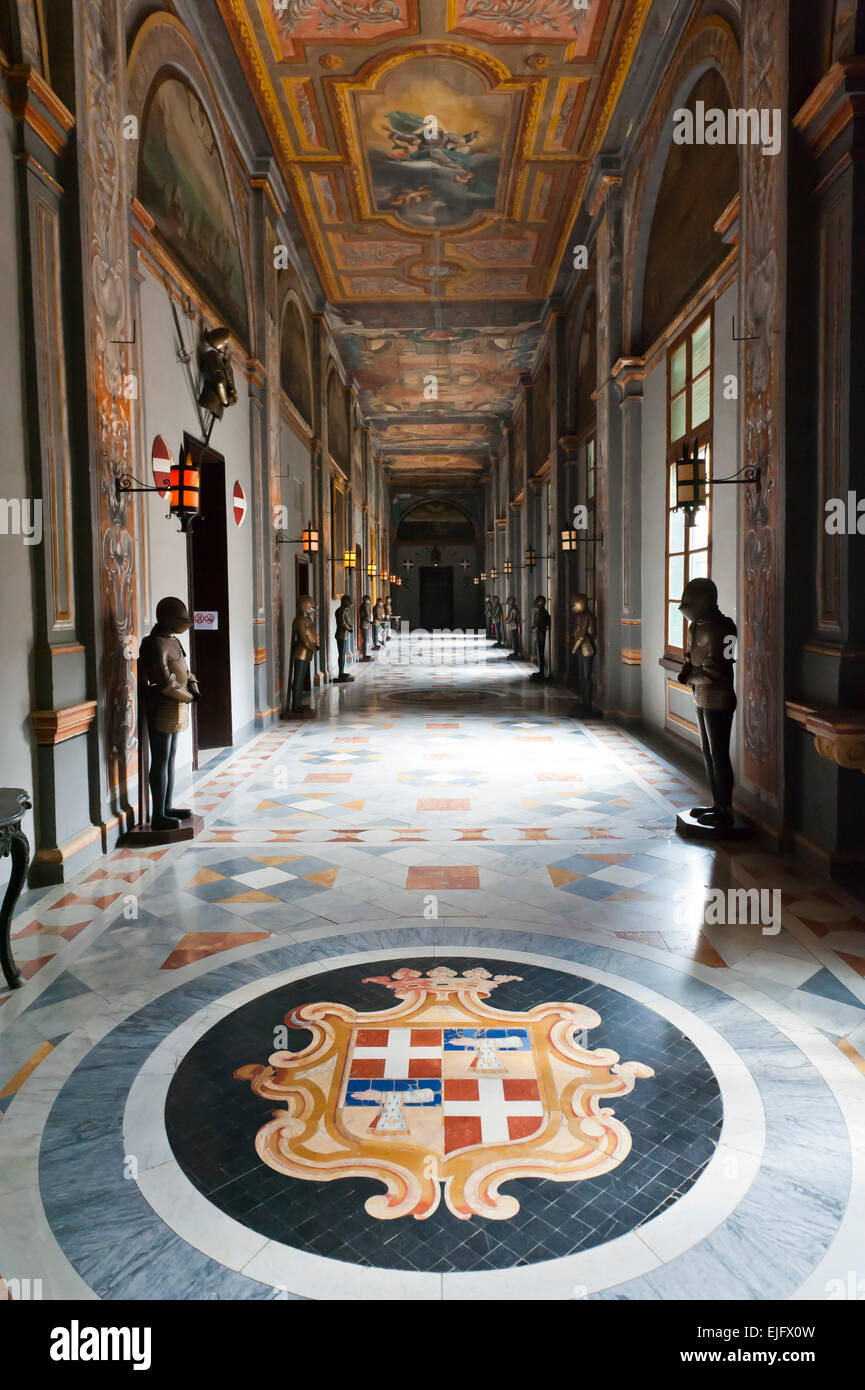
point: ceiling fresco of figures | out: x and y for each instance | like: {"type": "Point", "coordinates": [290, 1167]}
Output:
{"type": "Point", "coordinates": [436, 153]}
{"type": "Point", "coordinates": [437, 372]}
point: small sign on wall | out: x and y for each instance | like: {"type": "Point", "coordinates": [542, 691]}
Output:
{"type": "Point", "coordinates": [161, 459]}
{"type": "Point", "coordinates": [239, 499]}
{"type": "Point", "coordinates": [205, 620]}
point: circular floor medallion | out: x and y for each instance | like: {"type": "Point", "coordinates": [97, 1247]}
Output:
{"type": "Point", "coordinates": [440, 1116]}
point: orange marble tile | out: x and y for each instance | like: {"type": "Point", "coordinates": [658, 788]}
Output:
{"type": "Point", "coordinates": [424, 879]}
{"type": "Point", "coordinates": [561, 876]}
{"type": "Point", "coordinates": [443, 803]}
{"type": "Point", "coordinates": [856, 963]}
{"type": "Point", "coordinates": [324, 877]}
{"type": "Point", "coordinates": [198, 945]}
{"type": "Point", "coordinates": [461, 876]}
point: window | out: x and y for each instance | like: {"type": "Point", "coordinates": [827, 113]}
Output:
{"type": "Point", "coordinates": [689, 421]}
{"type": "Point", "coordinates": [591, 519]}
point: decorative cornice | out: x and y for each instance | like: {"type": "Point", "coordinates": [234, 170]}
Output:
{"type": "Point", "coordinates": [632, 656]}
{"type": "Point", "coordinates": [255, 371]}
{"type": "Point", "coordinates": [605, 183]}
{"type": "Point", "coordinates": [265, 186]}
{"type": "Point", "coordinates": [259, 656]}
{"type": "Point", "coordinates": [839, 735]}
{"type": "Point", "coordinates": [33, 101]}
{"type": "Point", "coordinates": [830, 108]}
{"type": "Point", "coordinates": [629, 369]}
{"type": "Point", "coordinates": [57, 725]}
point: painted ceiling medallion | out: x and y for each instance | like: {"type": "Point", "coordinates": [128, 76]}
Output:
{"type": "Point", "coordinates": [433, 141]}
{"type": "Point", "coordinates": [294, 23]}
{"type": "Point", "coordinates": [536, 21]}
{"type": "Point", "coordinates": [443, 1091]}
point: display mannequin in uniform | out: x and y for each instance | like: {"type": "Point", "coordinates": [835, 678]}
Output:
{"type": "Point", "coordinates": [344, 629]}
{"type": "Point", "coordinates": [168, 688]}
{"type": "Point", "coordinates": [584, 648]}
{"type": "Point", "coordinates": [304, 645]}
{"type": "Point", "coordinates": [540, 628]}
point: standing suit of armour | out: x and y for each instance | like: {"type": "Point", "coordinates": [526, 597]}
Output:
{"type": "Point", "coordinates": [540, 627]}
{"type": "Point", "coordinates": [344, 629]}
{"type": "Point", "coordinates": [366, 626]}
{"type": "Point", "coordinates": [708, 670]}
{"type": "Point", "coordinates": [378, 620]}
{"type": "Point", "coordinates": [488, 615]}
{"type": "Point", "coordinates": [388, 614]}
{"type": "Point", "coordinates": [304, 645]}
{"type": "Point", "coordinates": [515, 623]}
{"type": "Point", "coordinates": [508, 624]}
{"type": "Point", "coordinates": [497, 620]}
{"type": "Point", "coordinates": [583, 648]}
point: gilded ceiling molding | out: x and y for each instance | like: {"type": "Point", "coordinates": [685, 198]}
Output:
{"type": "Point", "coordinates": [707, 43]}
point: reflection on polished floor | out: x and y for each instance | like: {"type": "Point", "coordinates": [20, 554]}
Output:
{"type": "Point", "coordinates": [434, 1008]}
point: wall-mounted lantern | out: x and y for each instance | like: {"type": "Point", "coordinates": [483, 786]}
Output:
{"type": "Point", "coordinates": [371, 570]}
{"type": "Point", "coordinates": [184, 489]}
{"type": "Point", "coordinates": [693, 483]}
{"type": "Point", "coordinates": [308, 540]}
{"type": "Point", "coordinates": [508, 567]}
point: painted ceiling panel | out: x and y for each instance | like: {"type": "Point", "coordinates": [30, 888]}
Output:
{"type": "Point", "coordinates": [436, 153]}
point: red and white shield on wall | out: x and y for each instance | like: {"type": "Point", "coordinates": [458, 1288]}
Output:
{"type": "Point", "coordinates": [239, 505]}
{"type": "Point", "coordinates": [161, 459]}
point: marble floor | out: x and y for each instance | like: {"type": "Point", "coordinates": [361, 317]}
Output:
{"type": "Point", "coordinates": [436, 1007]}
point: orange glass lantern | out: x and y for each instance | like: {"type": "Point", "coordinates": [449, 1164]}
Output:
{"type": "Point", "coordinates": [184, 489]}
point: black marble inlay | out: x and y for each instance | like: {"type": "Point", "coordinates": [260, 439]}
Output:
{"type": "Point", "coordinates": [674, 1119]}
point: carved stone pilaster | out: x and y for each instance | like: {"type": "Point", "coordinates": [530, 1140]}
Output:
{"type": "Point", "coordinates": [100, 95]}
{"type": "Point", "coordinates": [763, 212]}
{"type": "Point", "coordinates": [614, 688]}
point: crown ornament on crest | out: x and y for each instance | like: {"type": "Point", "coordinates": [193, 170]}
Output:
{"type": "Point", "coordinates": [440, 980]}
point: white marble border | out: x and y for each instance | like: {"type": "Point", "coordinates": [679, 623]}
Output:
{"type": "Point", "coordinates": [707, 1204]}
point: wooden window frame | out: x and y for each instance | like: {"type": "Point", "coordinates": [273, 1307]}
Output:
{"type": "Point", "coordinates": [699, 437]}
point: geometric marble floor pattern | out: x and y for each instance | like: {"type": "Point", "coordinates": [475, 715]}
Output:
{"type": "Point", "coordinates": [433, 1008]}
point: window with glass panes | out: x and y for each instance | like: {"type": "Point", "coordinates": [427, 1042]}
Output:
{"type": "Point", "coordinates": [590, 507]}
{"type": "Point", "coordinates": [689, 421]}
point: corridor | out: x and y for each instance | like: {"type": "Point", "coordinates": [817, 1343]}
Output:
{"type": "Point", "coordinates": [448, 818]}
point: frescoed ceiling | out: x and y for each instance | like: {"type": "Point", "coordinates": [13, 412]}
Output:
{"type": "Point", "coordinates": [436, 153]}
